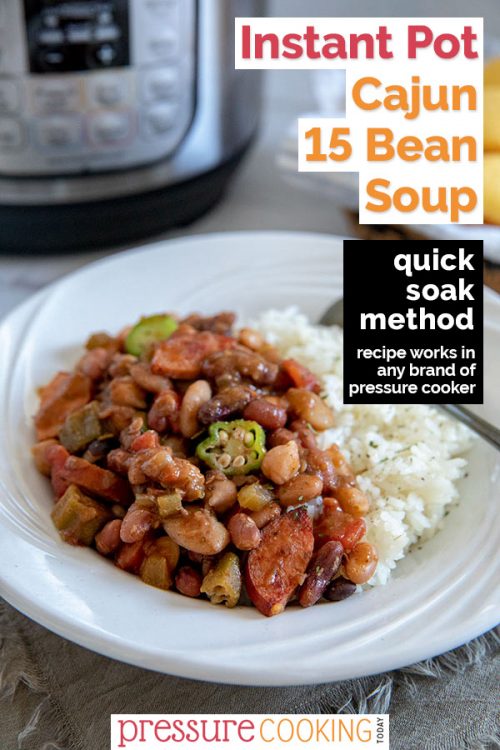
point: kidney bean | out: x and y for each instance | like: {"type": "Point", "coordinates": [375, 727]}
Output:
{"type": "Point", "coordinates": [361, 563]}
{"type": "Point", "coordinates": [226, 403]}
{"type": "Point", "coordinates": [280, 464]}
{"type": "Point", "coordinates": [340, 589]}
{"type": "Point", "coordinates": [281, 436]}
{"type": "Point", "coordinates": [352, 501]}
{"type": "Point", "coordinates": [300, 489]}
{"type": "Point", "coordinates": [188, 581]}
{"type": "Point", "coordinates": [304, 433]}
{"type": "Point", "coordinates": [107, 540]}
{"type": "Point", "coordinates": [310, 407]}
{"type": "Point", "coordinates": [244, 532]}
{"type": "Point", "coordinates": [323, 566]}
{"type": "Point", "coordinates": [268, 414]}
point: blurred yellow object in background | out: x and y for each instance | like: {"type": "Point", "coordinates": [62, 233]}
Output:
{"type": "Point", "coordinates": [492, 118]}
{"type": "Point", "coordinates": [492, 72]}
{"type": "Point", "coordinates": [492, 188]}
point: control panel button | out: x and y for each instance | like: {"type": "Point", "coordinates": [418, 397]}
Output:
{"type": "Point", "coordinates": [11, 134]}
{"type": "Point", "coordinates": [57, 95]}
{"type": "Point", "coordinates": [110, 90]}
{"type": "Point", "coordinates": [163, 47]}
{"type": "Point", "coordinates": [50, 20]}
{"type": "Point", "coordinates": [109, 128]}
{"type": "Point", "coordinates": [106, 33]}
{"type": "Point", "coordinates": [160, 84]}
{"type": "Point", "coordinates": [105, 54]}
{"type": "Point", "coordinates": [9, 97]}
{"type": "Point", "coordinates": [50, 37]}
{"type": "Point", "coordinates": [79, 33]}
{"type": "Point", "coordinates": [160, 119]}
{"type": "Point", "coordinates": [58, 132]}
{"type": "Point", "coordinates": [161, 8]}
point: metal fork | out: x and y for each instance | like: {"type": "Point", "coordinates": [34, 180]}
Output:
{"type": "Point", "coordinates": [334, 315]}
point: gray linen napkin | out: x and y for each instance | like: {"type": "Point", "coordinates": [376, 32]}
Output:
{"type": "Point", "coordinates": [55, 695]}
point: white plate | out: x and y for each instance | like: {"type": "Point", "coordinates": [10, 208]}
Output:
{"type": "Point", "coordinates": [439, 598]}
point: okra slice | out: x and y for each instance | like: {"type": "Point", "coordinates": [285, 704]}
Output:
{"type": "Point", "coordinates": [149, 331]}
{"type": "Point", "coordinates": [236, 447]}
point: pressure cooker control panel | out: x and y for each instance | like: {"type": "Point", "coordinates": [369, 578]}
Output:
{"type": "Point", "coordinates": [91, 86]}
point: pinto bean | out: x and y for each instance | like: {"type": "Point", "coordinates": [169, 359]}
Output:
{"type": "Point", "coordinates": [281, 436]}
{"type": "Point", "coordinates": [196, 395]}
{"type": "Point", "coordinates": [124, 391]}
{"type": "Point", "coordinates": [352, 501]}
{"type": "Point", "coordinates": [310, 407]}
{"type": "Point", "coordinates": [244, 532]}
{"type": "Point", "coordinates": [340, 589]}
{"type": "Point", "coordinates": [172, 473]}
{"type": "Point", "coordinates": [141, 373]}
{"type": "Point", "coordinates": [306, 436]}
{"type": "Point", "coordinates": [251, 339]}
{"type": "Point", "coordinates": [300, 489]}
{"type": "Point", "coordinates": [138, 522]}
{"type": "Point", "coordinates": [121, 364]}
{"type": "Point", "coordinates": [220, 323]}
{"type": "Point", "coordinates": [280, 464]}
{"type": "Point", "coordinates": [220, 492]}
{"type": "Point", "coordinates": [361, 563]}
{"type": "Point", "coordinates": [225, 404]}
{"type": "Point", "coordinates": [188, 581]}
{"type": "Point", "coordinates": [107, 540]}
{"type": "Point", "coordinates": [165, 411]}
{"type": "Point", "coordinates": [323, 566]}
{"type": "Point", "coordinates": [198, 530]}
{"type": "Point", "coordinates": [265, 515]}
{"type": "Point", "coordinates": [320, 463]}
{"type": "Point", "coordinates": [95, 362]}
{"type": "Point", "coordinates": [270, 415]}
{"type": "Point", "coordinates": [242, 360]}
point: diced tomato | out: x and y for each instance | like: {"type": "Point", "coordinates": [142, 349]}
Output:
{"type": "Point", "coordinates": [97, 481]}
{"type": "Point", "coordinates": [66, 392]}
{"type": "Point", "coordinates": [130, 556]}
{"type": "Point", "coordinates": [148, 439]}
{"type": "Point", "coordinates": [57, 456]}
{"type": "Point", "coordinates": [333, 525]}
{"type": "Point", "coordinates": [39, 452]}
{"type": "Point", "coordinates": [181, 355]}
{"type": "Point", "coordinates": [300, 375]}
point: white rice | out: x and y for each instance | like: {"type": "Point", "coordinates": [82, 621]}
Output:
{"type": "Point", "coordinates": [407, 458]}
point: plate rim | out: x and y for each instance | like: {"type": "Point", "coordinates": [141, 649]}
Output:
{"type": "Point", "coordinates": [85, 635]}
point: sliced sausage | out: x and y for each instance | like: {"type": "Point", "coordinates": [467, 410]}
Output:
{"type": "Point", "coordinates": [275, 569]}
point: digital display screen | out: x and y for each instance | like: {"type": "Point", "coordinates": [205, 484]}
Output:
{"type": "Point", "coordinates": [68, 36]}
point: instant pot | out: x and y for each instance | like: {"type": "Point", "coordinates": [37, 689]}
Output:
{"type": "Point", "coordinates": [118, 118]}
